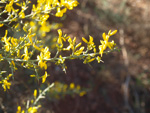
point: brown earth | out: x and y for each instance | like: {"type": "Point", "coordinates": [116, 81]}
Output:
{"type": "Point", "coordinates": [121, 83]}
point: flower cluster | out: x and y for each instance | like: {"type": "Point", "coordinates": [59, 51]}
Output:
{"type": "Point", "coordinates": [33, 109]}
{"type": "Point", "coordinates": [5, 84]}
{"type": "Point", "coordinates": [13, 46]}
{"type": "Point", "coordinates": [79, 51]}
{"type": "Point", "coordinates": [61, 89]}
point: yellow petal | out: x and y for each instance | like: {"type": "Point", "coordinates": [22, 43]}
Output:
{"type": "Point", "coordinates": [91, 60]}
{"type": "Point", "coordinates": [35, 93]}
{"type": "Point", "coordinates": [114, 32]}
{"type": "Point", "coordinates": [32, 75]}
{"type": "Point", "coordinates": [59, 32]}
{"type": "Point", "coordinates": [104, 36]}
{"type": "Point", "coordinates": [109, 32]}
{"type": "Point", "coordinates": [72, 86]}
{"type": "Point", "coordinates": [84, 40]}
{"type": "Point", "coordinates": [1, 25]}
{"type": "Point", "coordinates": [78, 45]}
{"type": "Point", "coordinates": [74, 40]}
{"type": "Point", "coordinates": [91, 39]}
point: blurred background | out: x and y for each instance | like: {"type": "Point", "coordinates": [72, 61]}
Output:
{"type": "Point", "coordinates": [119, 85]}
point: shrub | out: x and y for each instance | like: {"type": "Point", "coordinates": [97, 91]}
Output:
{"type": "Point", "coordinates": [24, 44]}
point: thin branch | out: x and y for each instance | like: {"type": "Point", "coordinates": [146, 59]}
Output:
{"type": "Point", "coordinates": [55, 59]}
{"type": "Point", "coordinates": [42, 94]}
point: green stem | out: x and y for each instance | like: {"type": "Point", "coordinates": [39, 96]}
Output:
{"type": "Point", "coordinates": [42, 94]}
{"type": "Point", "coordinates": [55, 59]}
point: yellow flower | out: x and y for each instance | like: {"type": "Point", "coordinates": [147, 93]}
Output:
{"type": "Point", "coordinates": [19, 109]}
{"type": "Point", "coordinates": [32, 110]}
{"type": "Point", "coordinates": [44, 77]}
{"type": "Point", "coordinates": [1, 25]}
{"type": "Point", "coordinates": [98, 59]}
{"type": "Point", "coordinates": [90, 44]}
{"type": "Point", "coordinates": [72, 43]}
{"type": "Point", "coordinates": [59, 33]}
{"type": "Point", "coordinates": [105, 43]}
{"type": "Point", "coordinates": [25, 27]}
{"type": "Point", "coordinates": [6, 85]}
{"type": "Point", "coordinates": [26, 55]}
{"type": "Point", "coordinates": [84, 40]}
{"type": "Point", "coordinates": [13, 64]}
{"type": "Point", "coordinates": [46, 52]}
{"type": "Point", "coordinates": [69, 4]}
{"type": "Point", "coordinates": [18, 53]}
{"type": "Point", "coordinates": [21, 14]}
{"type": "Point", "coordinates": [7, 43]}
{"type": "Point", "coordinates": [48, 5]}
{"type": "Point", "coordinates": [9, 7]}
{"type": "Point", "coordinates": [112, 33]}
{"type": "Point", "coordinates": [43, 18]}
{"type": "Point", "coordinates": [45, 27]}
{"type": "Point", "coordinates": [32, 23]}
{"type": "Point", "coordinates": [88, 59]}
{"type": "Point", "coordinates": [36, 47]}
{"type": "Point", "coordinates": [72, 86]}
{"type": "Point", "coordinates": [105, 37]}
{"type": "Point", "coordinates": [101, 49]}
{"type": "Point", "coordinates": [82, 93]}
{"type": "Point", "coordinates": [32, 75]}
{"type": "Point", "coordinates": [78, 45]}
{"type": "Point", "coordinates": [78, 52]}
{"type": "Point", "coordinates": [42, 63]}
{"type": "Point", "coordinates": [61, 60]}
{"type": "Point", "coordinates": [60, 40]}
{"type": "Point", "coordinates": [111, 44]}
{"type": "Point", "coordinates": [60, 12]}
{"type": "Point", "coordinates": [35, 93]}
